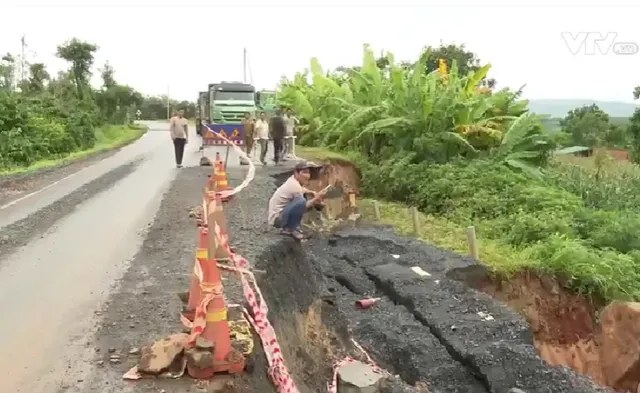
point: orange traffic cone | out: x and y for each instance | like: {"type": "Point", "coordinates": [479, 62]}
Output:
{"type": "Point", "coordinates": [195, 294]}
{"type": "Point", "coordinates": [225, 357]}
{"type": "Point", "coordinates": [218, 161]}
{"type": "Point", "coordinates": [222, 183]}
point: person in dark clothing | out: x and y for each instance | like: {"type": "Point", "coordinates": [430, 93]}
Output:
{"type": "Point", "coordinates": [278, 127]}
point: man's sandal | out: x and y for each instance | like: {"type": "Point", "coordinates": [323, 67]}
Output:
{"type": "Point", "coordinates": [294, 234]}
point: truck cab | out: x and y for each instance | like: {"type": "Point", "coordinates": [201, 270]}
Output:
{"type": "Point", "coordinates": [266, 100]}
{"type": "Point", "coordinates": [230, 101]}
{"type": "Point", "coordinates": [202, 110]}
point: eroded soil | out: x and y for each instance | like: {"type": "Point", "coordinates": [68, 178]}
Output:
{"type": "Point", "coordinates": [564, 323]}
{"type": "Point", "coordinates": [430, 330]}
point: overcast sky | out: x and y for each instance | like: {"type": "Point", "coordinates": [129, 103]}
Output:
{"type": "Point", "coordinates": [188, 46]}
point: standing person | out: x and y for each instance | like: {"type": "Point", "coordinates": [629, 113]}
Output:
{"type": "Point", "coordinates": [262, 133]}
{"type": "Point", "coordinates": [288, 204]}
{"type": "Point", "coordinates": [278, 128]}
{"type": "Point", "coordinates": [292, 122]}
{"type": "Point", "coordinates": [179, 130]}
{"type": "Point", "coordinates": [248, 124]}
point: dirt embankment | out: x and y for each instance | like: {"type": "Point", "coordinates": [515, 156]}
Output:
{"type": "Point", "coordinates": [571, 330]}
{"type": "Point", "coordinates": [433, 332]}
{"type": "Point", "coordinates": [565, 326]}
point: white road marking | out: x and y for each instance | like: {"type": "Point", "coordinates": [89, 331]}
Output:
{"type": "Point", "coordinates": [39, 191]}
{"type": "Point", "coordinates": [54, 183]}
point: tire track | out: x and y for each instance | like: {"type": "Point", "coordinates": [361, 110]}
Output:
{"type": "Point", "coordinates": [20, 233]}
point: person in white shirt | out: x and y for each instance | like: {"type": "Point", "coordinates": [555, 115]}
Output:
{"type": "Point", "coordinates": [179, 131]}
{"type": "Point", "coordinates": [288, 204]}
{"type": "Point", "coordinates": [261, 129]}
{"type": "Point", "coordinates": [291, 122]}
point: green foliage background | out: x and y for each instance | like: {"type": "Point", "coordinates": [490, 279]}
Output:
{"type": "Point", "coordinates": [44, 117]}
{"type": "Point", "coordinates": [467, 153]}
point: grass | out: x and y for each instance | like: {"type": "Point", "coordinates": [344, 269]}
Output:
{"type": "Point", "coordinates": [438, 231]}
{"type": "Point", "coordinates": [107, 138]}
{"type": "Point", "coordinates": [500, 258]}
{"type": "Point", "coordinates": [608, 163]}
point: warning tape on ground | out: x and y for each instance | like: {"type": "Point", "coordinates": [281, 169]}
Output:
{"type": "Point", "coordinates": [258, 318]}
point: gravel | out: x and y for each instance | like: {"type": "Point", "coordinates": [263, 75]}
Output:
{"type": "Point", "coordinates": [145, 306]}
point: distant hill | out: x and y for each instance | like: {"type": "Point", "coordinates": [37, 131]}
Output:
{"type": "Point", "coordinates": [560, 108]}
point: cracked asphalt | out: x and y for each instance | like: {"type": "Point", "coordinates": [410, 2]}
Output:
{"type": "Point", "coordinates": [92, 266]}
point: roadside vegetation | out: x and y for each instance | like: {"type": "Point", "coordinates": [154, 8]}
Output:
{"type": "Point", "coordinates": [46, 118]}
{"type": "Point", "coordinates": [440, 136]}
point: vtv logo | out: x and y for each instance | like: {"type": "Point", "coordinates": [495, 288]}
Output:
{"type": "Point", "coordinates": [587, 42]}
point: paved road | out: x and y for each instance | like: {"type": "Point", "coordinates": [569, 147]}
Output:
{"type": "Point", "coordinates": [64, 248]}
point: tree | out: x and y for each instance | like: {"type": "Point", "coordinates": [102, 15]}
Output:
{"type": "Point", "coordinates": [634, 131]}
{"type": "Point", "coordinates": [467, 61]}
{"type": "Point", "coordinates": [617, 136]}
{"type": "Point", "coordinates": [107, 72]}
{"type": "Point", "coordinates": [7, 72]}
{"type": "Point", "coordinates": [38, 76]}
{"type": "Point", "coordinates": [587, 126]}
{"type": "Point", "coordinates": [80, 55]}
{"type": "Point", "coordinates": [50, 117]}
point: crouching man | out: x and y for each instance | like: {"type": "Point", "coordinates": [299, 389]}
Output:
{"type": "Point", "coordinates": [288, 205]}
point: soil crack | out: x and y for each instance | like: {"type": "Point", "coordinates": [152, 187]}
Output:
{"type": "Point", "coordinates": [408, 304]}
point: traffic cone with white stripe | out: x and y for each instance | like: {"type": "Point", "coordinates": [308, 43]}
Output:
{"type": "Point", "coordinates": [195, 294]}
{"type": "Point", "coordinates": [213, 352]}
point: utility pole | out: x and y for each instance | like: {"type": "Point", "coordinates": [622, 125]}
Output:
{"type": "Point", "coordinates": [244, 65]}
{"type": "Point", "coordinates": [22, 59]}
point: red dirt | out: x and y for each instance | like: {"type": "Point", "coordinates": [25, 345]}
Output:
{"type": "Point", "coordinates": [564, 325]}
{"type": "Point", "coordinates": [339, 174]}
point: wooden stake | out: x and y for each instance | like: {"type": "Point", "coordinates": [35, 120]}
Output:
{"type": "Point", "coordinates": [352, 199]}
{"type": "Point", "coordinates": [473, 244]}
{"type": "Point", "coordinates": [414, 218]}
{"type": "Point", "coordinates": [376, 210]}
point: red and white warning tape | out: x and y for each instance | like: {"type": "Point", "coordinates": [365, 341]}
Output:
{"type": "Point", "coordinates": [258, 317]}
{"type": "Point", "coordinates": [277, 369]}
{"type": "Point", "coordinates": [332, 387]}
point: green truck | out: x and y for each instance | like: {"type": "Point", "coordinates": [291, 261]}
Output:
{"type": "Point", "coordinates": [225, 103]}
{"type": "Point", "coordinates": [202, 110]}
{"type": "Point", "coordinates": [266, 100]}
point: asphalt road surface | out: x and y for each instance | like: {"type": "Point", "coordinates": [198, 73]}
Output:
{"type": "Point", "coordinates": [63, 244]}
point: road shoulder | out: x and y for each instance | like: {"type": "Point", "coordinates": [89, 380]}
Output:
{"type": "Point", "coordinates": [15, 186]}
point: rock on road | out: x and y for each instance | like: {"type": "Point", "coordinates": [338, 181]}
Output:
{"type": "Point", "coordinates": [62, 247]}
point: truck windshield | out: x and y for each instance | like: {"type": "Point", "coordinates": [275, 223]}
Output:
{"type": "Point", "coordinates": [233, 96]}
